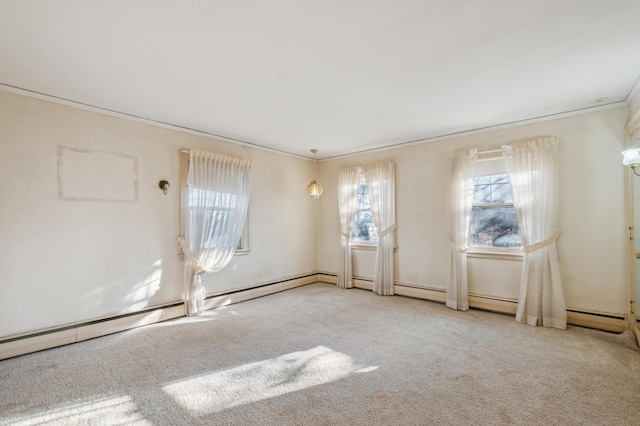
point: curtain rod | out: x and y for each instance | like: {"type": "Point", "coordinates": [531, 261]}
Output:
{"type": "Point", "coordinates": [490, 151]}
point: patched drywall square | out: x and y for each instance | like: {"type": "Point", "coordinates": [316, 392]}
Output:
{"type": "Point", "coordinates": [89, 175]}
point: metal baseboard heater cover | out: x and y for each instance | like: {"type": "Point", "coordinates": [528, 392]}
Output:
{"type": "Point", "coordinates": [34, 341]}
{"type": "Point", "coordinates": [72, 333]}
{"type": "Point", "coordinates": [600, 321]}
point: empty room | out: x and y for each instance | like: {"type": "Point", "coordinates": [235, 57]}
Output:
{"type": "Point", "coordinates": [306, 212]}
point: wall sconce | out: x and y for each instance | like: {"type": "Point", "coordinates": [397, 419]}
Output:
{"type": "Point", "coordinates": [164, 185]}
{"type": "Point", "coordinates": [631, 158]}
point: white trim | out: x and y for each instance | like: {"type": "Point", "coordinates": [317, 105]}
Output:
{"type": "Point", "coordinates": [37, 340]}
{"type": "Point", "coordinates": [633, 91]}
{"type": "Point", "coordinates": [76, 332]}
{"type": "Point", "coordinates": [368, 247]}
{"type": "Point", "coordinates": [452, 134]}
{"type": "Point", "coordinates": [632, 127]}
{"type": "Point", "coordinates": [481, 130]}
{"type": "Point", "coordinates": [361, 245]}
{"type": "Point", "coordinates": [253, 293]}
{"type": "Point", "coordinates": [597, 320]}
{"type": "Point", "coordinates": [498, 254]}
{"type": "Point", "coordinates": [25, 343]}
{"type": "Point", "coordinates": [327, 277]}
{"type": "Point", "coordinates": [87, 107]}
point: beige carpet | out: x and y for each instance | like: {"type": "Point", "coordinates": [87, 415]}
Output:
{"type": "Point", "coordinates": [318, 355]}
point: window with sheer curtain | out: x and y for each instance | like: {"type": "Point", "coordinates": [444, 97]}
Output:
{"type": "Point", "coordinates": [493, 224]}
{"type": "Point", "coordinates": [366, 206]}
{"type": "Point", "coordinates": [220, 206]}
{"type": "Point", "coordinates": [530, 187]}
{"type": "Point", "coordinates": [380, 179]}
{"type": "Point", "coordinates": [189, 201]}
{"type": "Point", "coordinates": [533, 169]}
{"type": "Point", "coordinates": [493, 217]}
{"type": "Point", "coordinates": [363, 229]}
{"type": "Point", "coordinates": [215, 206]}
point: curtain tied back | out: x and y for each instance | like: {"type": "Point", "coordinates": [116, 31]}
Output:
{"type": "Point", "coordinates": [534, 177]}
{"type": "Point", "coordinates": [348, 181]}
{"type": "Point", "coordinates": [218, 188]}
{"type": "Point", "coordinates": [461, 203]}
{"type": "Point", "coordinates": [387, 230]}
{"type": "Point", "coordinates": [544, 243]}
{"type": "Point", "coordinates": [380, 179]}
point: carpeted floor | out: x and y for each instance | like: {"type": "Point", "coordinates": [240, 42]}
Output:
{"type": "Point", "coordinates": [319, 355]}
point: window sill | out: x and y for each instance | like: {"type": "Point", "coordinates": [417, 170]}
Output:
{"type": "Point", "coordinates": [487, 253]}
{"type": "Point", "coordinates": [242, 252]}
{"type": "Point", "coordinates": [364, 246]}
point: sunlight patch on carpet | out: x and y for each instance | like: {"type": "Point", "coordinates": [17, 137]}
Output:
{"type": "Point", "coordinates": [248, 383]}
{"type": "Point", "coordinates": [367, 369]}
{"type": "Point", "coordinates": [106, 410]}
{"type": "Point", "coordinates": [204, 317]}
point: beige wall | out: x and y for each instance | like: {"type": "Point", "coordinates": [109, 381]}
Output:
{"type": "Point", "coordinates": [591, 248]}
{"type": "Point", "coordinates": [68, 261]}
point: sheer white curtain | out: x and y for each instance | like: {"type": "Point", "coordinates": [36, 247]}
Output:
{"type": "Point", "coordinates": [214, 215]}
{"type": "Point", "coordinates": [348, 181]}
{"type": "Point", "coordinates": [533, 173]}
{"type": "Point", "coordinates": [381, 183]}
{"type": "Point", "coordinates": [464, 162]}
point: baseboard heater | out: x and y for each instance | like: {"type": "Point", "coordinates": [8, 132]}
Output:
{"type": "Point", "coordinates": [16, 345]}
{"type": "Point", "coordinates": [34, 341]}
{"type": "Point", "coordinates": [77, 332]}
{"type": "Point", "coordinates": [606, 322]}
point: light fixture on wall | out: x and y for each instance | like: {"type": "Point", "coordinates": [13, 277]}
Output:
{"type": "Point", "coordinates": [631, 158]}
{"type": "Point", "coordinates": [314, 189]}
{"type": "Point", "coordinates": [164, 185]}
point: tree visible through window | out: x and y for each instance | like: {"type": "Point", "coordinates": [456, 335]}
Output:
{"type": "Point", "coordinates": [493, 217]}
{"type": "Point", "coordinates": [364, 228]}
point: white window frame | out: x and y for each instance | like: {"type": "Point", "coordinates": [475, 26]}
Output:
{"type": "Point", "coordinates": [357, 244]}
{"type": "Point", "coordinates": [493, 168]}
{"type": "Point", "coordinates": [367, 245]}
{"type": "Point", "coordinates": [243, 245]}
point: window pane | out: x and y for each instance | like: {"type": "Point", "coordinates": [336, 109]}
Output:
{"type": "Point", "coordinates": [482, 180]}
{"type": "Point", "coordinates": [482, 194]}
{"type": "Point", "coordinates": [501, 193]}
{"type": "Point", "coordinates": [500, 178]}
{"type": "Point", "coordinates": [363, 227]}
{"type": "Point", "coordinates": [494, 227]}
{"type": "Point", "coordinates": [363, 196]}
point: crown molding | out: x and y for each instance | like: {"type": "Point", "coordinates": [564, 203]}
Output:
{"type": "Point", "coordinates": [445, 136]}
{"type": "Point", "coordinates": [131, 117]}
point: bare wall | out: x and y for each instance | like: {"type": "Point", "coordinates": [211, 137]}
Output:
{"type": "Point", "coordinates": [68, 260]}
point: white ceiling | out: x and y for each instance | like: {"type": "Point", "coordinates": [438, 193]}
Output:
{"type": "Point", "coordinates": [338, 75]}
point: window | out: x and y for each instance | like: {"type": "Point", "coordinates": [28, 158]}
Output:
{"type": "Point", "coordinates": [220, 202]}
{"type": "Point", "coordinates": [222, 206]}
{"type": "Point", "coordinates": [363, 229]}
{"type": "Point", "coordinates": [493, 217]}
